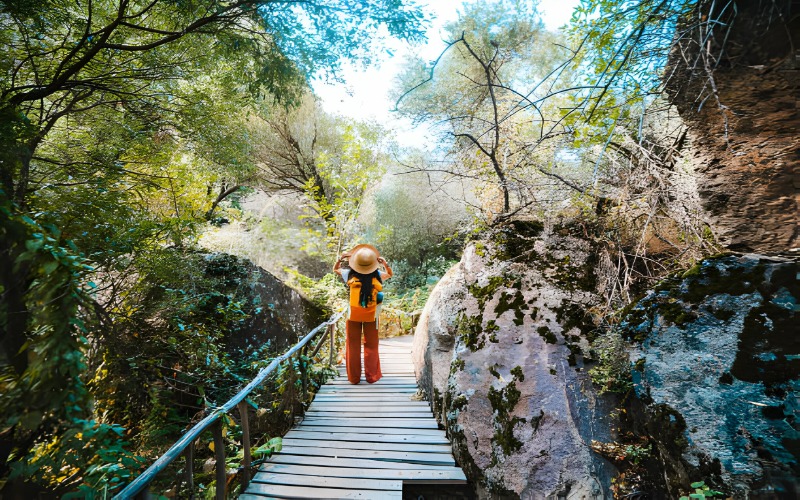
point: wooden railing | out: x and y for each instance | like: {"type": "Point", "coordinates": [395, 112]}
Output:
{"type": "Point", "coordinates": [185, 445]}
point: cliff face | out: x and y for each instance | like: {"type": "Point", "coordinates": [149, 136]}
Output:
{"type": "Point", "coordinates": [743, 119]}
{"type": "Point", "coordinates": [499, 351]}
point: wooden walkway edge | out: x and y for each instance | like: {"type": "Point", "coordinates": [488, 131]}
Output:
{"type": "Point", "coordinates": [361, 441]}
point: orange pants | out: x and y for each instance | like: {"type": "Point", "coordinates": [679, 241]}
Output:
{"type": "Point", "coordinates": [352, 353]}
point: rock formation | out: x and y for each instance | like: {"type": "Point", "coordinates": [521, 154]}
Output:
{"type": "Point", "coordinates": [718, 368]}
{"type": "Point", "coordinates": [743, 119]}
{"type": "Point", "coordinates": [499, 351]}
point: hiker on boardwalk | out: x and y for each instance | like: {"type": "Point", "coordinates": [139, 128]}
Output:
{"type": "Point", "coordinates": [365, 283]}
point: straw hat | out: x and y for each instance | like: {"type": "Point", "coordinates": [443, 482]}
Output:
{"type": "Point", "coordinates": [364, 259]}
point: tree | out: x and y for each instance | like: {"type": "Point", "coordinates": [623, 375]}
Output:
{"type": "Point", "coordinates": [329, 161]}
{"type": "Point", "coordinates": [473, 89]}
{"type": "Point", "coordinates": [108, 129]}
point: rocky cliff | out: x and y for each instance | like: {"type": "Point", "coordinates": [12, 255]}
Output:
{"type": "Point", "coordinates": [738, 93]}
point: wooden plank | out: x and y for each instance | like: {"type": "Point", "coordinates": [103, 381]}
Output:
{"type": "Point", "coordinates": [375, 408]}
{"type": "Point", "coordinates": [342, 462]}
{"type": "Point", "coordinates": [355, 445]}
{"type": "Point", "coordinates": [399, 423]}
{"type": "Point", "coordinates": [376, 389]}
{"type": "Point", "coordinates": [291, 479]}
{"type": "Point", "coordinates": [385, 380]}
{"type": "Point", "coordinates": [365, 385]}
{"type": "Point", "coordinates": [439, 475]}
{"type": "Point", "coordinates": [380, 438]}
{"type": "Point", "coordinates": [392, 380]}
{"type": "Point", "coordinates": [337, 401]}
{"type": "Point", "coordinates": [355, 398]}
{"type": "Point", "coordinates": [280, 491]}
{"type": "Point", "coordinates": [379, 429]}
{"type": "Point", "coordinates": [405, 457]}
{"type": "Point", "coordinates": [361, 415]}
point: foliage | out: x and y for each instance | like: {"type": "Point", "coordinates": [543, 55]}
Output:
{"type": "Point", "coordinates": [119, 120]}
{"type": "Point", "coordinates": [41, 388]}
{"type": "Point", "coordinates": [326, 292]}
{"type": "Point", "coordinates": [613, 371]}
{"type": "Point", "coordinates": [89, 456]}
{"type": "Point", "coordinates": [473, 89]}
{"type": "Point", "coordinates": [634, 453]}
{"type": "Point", "coordinates": [701, 490]}
{"type": "Point", "coordinates": [623, 50]}
{"type": "Point", "coordinates": [415, 220]}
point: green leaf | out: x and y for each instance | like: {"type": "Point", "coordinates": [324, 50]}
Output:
{"type": "Point", "coordinates": [698, 484]}
{"type": "Point", "coordinates": [49, 267]}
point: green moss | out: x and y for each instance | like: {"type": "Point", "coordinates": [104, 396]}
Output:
{"type": "Point", "coordinates": [515, 238]}
{"type": "Point", "coordinates": [709, 280]}
{"type": "Point", "coordinates": [676, 313]}
{"type": "Point", "coordinates": [572, 315]}
{"type": "Point", "coordinates": [491, 329]}
{"type": "Point", "coordinates": [484, 293]}
{"type": "Point", "coordinates": [480, 249]}
{"type": "Point", "coordinates": [768, 346]}
{"type": "Point", "coordinates": [722, 314]}
{"type": "Point", "coordinates": [459, 402]}
{"type": "Point", "coordinates": [503, 402]}
{"type": "Point", "coordinates": [456, 365]}
{"type": "Point", "coordinates": [470, 330]}
{"type": "Point", "coordinates": [517, 372]}
{"type": "Point", "coordinates": [509, 302]}
{"type": "Point", "coordinates": [547, 335]}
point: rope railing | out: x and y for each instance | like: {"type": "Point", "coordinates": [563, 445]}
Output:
{"type": "Point", "coordinates": [186, 442]}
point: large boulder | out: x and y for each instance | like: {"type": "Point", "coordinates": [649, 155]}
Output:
{"type": "Point", "coordinates": [499, 351]}
{"type": "Point", "coordinates": [718, 357]}
{"type": "Point", "coordinates": [276, 313]}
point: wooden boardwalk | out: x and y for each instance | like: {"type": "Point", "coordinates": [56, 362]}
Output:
{"type": "Point", "coordinates": [361, 441]}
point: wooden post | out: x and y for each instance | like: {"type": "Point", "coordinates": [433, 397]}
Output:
{"type": "Point", "coordinates": [319, 344]}
{"type": "Point", "coordinates": [303, 374]}
{"type": "Point", "coordinates": [245, 445]}
{"type": "Point", "coordinates": [219, 452]}
{"type": "Point", "coordinates": [189, 454]}
{"type": "Point", "coordinates": [332, 329]}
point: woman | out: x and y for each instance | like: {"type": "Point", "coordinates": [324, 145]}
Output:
{"type": "Point", "coordinates": [365, 282]}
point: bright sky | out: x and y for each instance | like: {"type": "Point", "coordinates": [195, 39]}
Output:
{"type": "Point", "coordinates": [365, 93]}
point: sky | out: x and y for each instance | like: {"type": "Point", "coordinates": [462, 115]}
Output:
{"type": "Point", "coordinates": [364, 94]}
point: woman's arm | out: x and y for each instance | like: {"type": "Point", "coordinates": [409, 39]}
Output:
{"type": "Point", "coordinates": [388, 273]}
{"type": "Point", "coordinates": [338, 265]}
